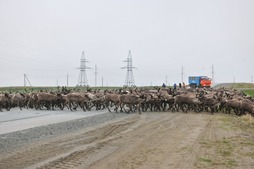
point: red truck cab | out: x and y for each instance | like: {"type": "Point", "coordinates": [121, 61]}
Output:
{"type": "Point", "coordinates": [205, 82]}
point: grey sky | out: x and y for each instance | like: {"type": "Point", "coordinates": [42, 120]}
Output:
{"type": "Point", "coordinates": [45, 40]}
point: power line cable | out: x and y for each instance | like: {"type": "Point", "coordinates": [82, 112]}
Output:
{"type": "Point", "coordinates": [29, 61]}
{"type": "Point", "coordinates": [32, 48]}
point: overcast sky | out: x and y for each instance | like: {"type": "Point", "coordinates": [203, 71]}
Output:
{"type": "Point", "coordinates": [45, 39]}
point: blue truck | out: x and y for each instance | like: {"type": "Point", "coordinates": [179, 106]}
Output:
{"type": "Point", "coordinates": [199, 81]}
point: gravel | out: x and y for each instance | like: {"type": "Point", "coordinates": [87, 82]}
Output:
{"type": "Point", "coordinates": [14, 140]}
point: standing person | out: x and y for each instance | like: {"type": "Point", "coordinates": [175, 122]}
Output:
{"type": "Point", "coordinates": [183, 85]}
{"type": "Point", "coordinates": [175, 86]}
{"type": "Point", "coordinates": [170, 91]}
{"type": "Point", "coordinates": [180, 85]}
{"type": "Point", "coordinates": [163, 85]}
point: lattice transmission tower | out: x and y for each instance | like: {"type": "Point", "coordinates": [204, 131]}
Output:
{"type": "Point", "coordinates": [26, 80]}
{"type": "Point", "coordinates": [82, 80]}
{"type": "Point", "coordinates": [129, 80]}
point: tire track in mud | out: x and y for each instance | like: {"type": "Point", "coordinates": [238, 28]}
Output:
{"type": "Point", "coordinates": [83, 155]}
{"type": "Point", "coordinates": [88, 154]}
{"type": "Point", "coordinates": [159, 143]}
{"type": "Point", "coordinates": [149, 140]}
{"type": "Point", "coordinates": [63, 148]}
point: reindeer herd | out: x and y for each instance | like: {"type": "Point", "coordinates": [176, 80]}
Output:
{"type": "Point", "coordinates": [132, 100]}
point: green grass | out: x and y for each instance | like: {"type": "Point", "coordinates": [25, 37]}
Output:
{"type": "Point", "coordinates": [204, 162]}
{"type": "Point", "coordinates": [50, 89]}
{"type": "Point", "coordinates": [231, 163]}
{"type": "Point", "coordinates": [205, 159]}
{"type": "Point", "coordinates": [225, 151]}
{"type": "Point", "coordinates": [243, 85]}
{"type": "Point", "coordinates": [250, 154]}
{"type": "Point", "coordinates": [38, 88]}
{"type": "Point", "coordinates": [227, 122]}
{"type": "Point", "coordinates": [249, 92]}
{"type": "Point", "coordinates": [225, 147]}
{"type": "Point", "coordinates": [236, 85]}
{"type": "Point", "coordinates": [249, 143]}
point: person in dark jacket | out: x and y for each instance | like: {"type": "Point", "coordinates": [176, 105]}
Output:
{"type": "Point", "coordinates": [175, 86]}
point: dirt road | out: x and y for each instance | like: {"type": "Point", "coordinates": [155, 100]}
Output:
{"type": "Point", "coordinates": [160, 140]}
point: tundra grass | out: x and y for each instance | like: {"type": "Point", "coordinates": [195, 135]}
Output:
{"type": "Point", "coordinates": [249, 92]}
{"type": "Point", "coordinates": [228, 151]}
{"type": "Point", "coordinates": [204, 162]}
{"type": "Point", "coordinates": [242, 85]}
{"type": "Point", "coordinates": [222, 154]}
{"type": "Point", "coordinates": [51, 89]}
{"type": "Point", "coordinates": [76, 88]}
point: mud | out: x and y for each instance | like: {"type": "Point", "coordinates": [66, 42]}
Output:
{"type": "Point", "coordinates": [153, 140]}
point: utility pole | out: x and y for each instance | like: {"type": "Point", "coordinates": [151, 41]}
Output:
{"type": "Point", "coordinates": [82, 81]}
{"type": "Point", "coordinates": [213, 74]}
{"type": "Point", "coordinates": [102, 82]}
{"type": "Point", "coordinates": [182, 74]}
{"type": "Point", "coordinates": [129, 80]}
{"type": "Point", "coordinates": [67, 80]}
{"type": "Point", "coordinates": [24, 80]}
{"type": "Point", "coordinates": [95, 74]}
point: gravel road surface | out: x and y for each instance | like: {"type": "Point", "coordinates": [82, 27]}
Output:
{"type": "Point", "coordinates": [162, 140]}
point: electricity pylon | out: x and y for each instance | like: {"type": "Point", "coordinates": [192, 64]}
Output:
{"type": "Point", "coordinates": [82, 80]}
{"type": "Point", "coordinates": [129, 80]}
